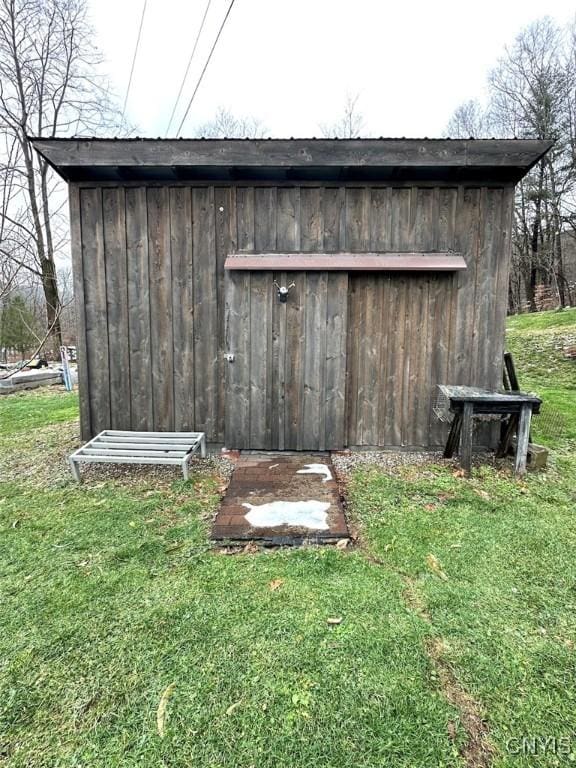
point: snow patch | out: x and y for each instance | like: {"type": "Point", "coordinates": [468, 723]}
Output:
{"type": "Point", "coordinates": [316, 469]}
{"type": "Point", "coordinates": [301, 514]}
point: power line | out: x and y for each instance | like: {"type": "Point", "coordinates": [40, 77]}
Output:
{"type": "Point", "coordinates": [205, 67]}
{"type": "Point", "coordinates": [188, 67]}
{"type": "Point", "coordinates": [134, 58]}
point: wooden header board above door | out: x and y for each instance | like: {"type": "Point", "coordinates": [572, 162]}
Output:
{"type": "Point", "coordinates": [424, 261]}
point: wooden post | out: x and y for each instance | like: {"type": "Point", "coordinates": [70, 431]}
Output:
{"type": "Point", "coordinates": [466, 439]}
{"type": "Point", "coordinates": [453, 437]}
{"type": "Point", "coordinates": [506, 434]}
{"type": "Point", "coordinates": [522, 439]}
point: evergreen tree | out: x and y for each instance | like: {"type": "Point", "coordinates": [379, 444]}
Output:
{"type": "Point", "coordinates": [17, 325]}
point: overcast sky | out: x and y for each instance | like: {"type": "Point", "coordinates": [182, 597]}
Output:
{"type": "Point", "coordinates": [291, 63]}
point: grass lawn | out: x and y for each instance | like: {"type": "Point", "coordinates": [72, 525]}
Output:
{"type": "Point", "coordinates": [127, 641]}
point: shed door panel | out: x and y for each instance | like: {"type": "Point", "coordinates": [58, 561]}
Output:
{"type": "Point", "coordinates": [285, 388]}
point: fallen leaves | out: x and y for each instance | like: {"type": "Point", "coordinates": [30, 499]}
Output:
{"type": "Point", "coordinates": [434, 565]}
{"type": "Point", "coordinates": [234, 706]}
{"type": "Point", "coordinates": [275, 584]}
{"type": "Point", "coordinates": [162, 707]}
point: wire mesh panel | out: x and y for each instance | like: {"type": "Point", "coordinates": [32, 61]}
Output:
{"type": "Point", "coordinates": [441, 405]}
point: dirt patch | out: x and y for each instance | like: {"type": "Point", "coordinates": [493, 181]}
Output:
{"type": "Point", "coordinates": [477, 751]}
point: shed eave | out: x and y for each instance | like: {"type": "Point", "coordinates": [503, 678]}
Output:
{"type": "Point", "coordinates": [78, 159]}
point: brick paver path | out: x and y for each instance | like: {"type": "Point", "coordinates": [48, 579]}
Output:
{"type": "Point", "coordinates": [261, 480]}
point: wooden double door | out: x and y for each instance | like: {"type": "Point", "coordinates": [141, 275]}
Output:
{"type": "Point", "coordinates": [286, 369]}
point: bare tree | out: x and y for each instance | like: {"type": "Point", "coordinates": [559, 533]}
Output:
{"type": "Point", "coordinates": [226, 125]}
{"type": "Point", "coordinates": [469, 120]}
{"type": "Point", "coordinates": [532, 90]}
{"type": "Point", "coordinates": [48, 87]}
{"type": "Point", "coordinates": [349, 125]}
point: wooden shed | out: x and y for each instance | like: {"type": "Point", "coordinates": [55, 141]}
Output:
{"type": "Point", "coordinates": [397, 250]}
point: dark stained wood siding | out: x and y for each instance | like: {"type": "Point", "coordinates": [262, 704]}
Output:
{"type": "Point", "coordinates": [149, 277]}
{"type": "Point", "coordinates": [287, 381]}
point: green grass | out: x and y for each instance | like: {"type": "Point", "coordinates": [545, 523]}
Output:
{"type": "Point", "coordinates": [111, 594]}
{"type": "Point", "coordinates": [505, 613]}
{"type": "Point", "coordinates": [26, 411]}
{"type": "Point", "coordinates": [543, 321]}
{"type": "Point", "coordinates": [537, 343]}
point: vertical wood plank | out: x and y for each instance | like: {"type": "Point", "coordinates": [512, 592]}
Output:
{"type": "Point", "coordinates": [114, 225]}
{"type": "Point", "coordinates": [237, 320]}
{"type": "Point", "coordinates": [311, 237]}
{"type": "Point", "coordinates": [357, 219]}
{"type": "Point", "coordinates": [294, 362]}
{"type": "Point", "coordinates": [288, 219]}
{"type": "Point", "coordinates": [183, 306]}
{"type": "Point", "coordinates": [265, 218]}
{"type": "Point", "coordinates": [440, 321]}
{"type": "Point", "coordinates": [284, 387]}
{"type": "Point", "coordinates": [353, 381]}
{"type": "Point", "coordinates": [502, 259]}
{"type": "Point", "coordinates": [400, 219]}
{"type": "Point", "coordinates": [369, 360]}
{"type": "Point", "coordinates": [466, 439]}
{"type": "Point", "coordinates": [486, 269]}
{"type": "Point", "coordinates": [79, 308]}
{"type": "Point", "coordinates": [332, 214]}
{"type": "Point", "coordinates": [262, 298]}
{"type": "Point", "coordinates": [523, 439]}
{"type": "Point", "coordinates": [139, 309]}
{"type": "Point", "coordinates": [95, 308]}
{"type": "Point", "coordinates": [442, 290]}
{"type": "Point", "coordinates": [335, 376]}
{"type": "Point", "coordinates": [161, 336]}
{"type": "Point", "coordinates": [425, 232]}
{"type": "Point", "coordinates": [421, 392]}
{"type": "Point", "coordinates": [385, 301]}
{"type": "Point", "coordinates": [225, 242]}
{"type": "Point", "coordinates": [278, 365]}
{"type": "Point", "coordinates": [313, 417]}
{"type": "Point", "coordinates": [205, 313]}
{"type": "Point", "coordinates": [396, 359]}
{"type": "Point", "coordinates": [466, 237]}
{"type": "Point", "coordinates": [380, 218]}
{"type": "Point", "coordinates": [245, 218]}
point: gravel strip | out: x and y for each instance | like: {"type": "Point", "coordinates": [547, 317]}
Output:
{"type": "Point", "coordinates": [346, 463]}
{"type": "Point", "coordinates": [41, 459]}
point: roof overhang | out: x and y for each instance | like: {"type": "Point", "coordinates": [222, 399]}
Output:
{"type": "Point", "coordinates": [390, 261]}
{"type": "Point", "coordinates": [337, 160]}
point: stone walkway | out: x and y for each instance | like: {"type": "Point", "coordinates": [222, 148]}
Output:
{"type": "Point", "coordinates": [281, 499]}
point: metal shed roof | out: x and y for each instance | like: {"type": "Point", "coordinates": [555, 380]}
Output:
{"type": "Point", "coordinates": [172, 160]}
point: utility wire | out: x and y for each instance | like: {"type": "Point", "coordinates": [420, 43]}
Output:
{"type": "Point", "coordinates": [188, 67]}
{"type": "Point", "coordinates": [205, 67]}
{"type": "Point", "coordinates": [134, 59]}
